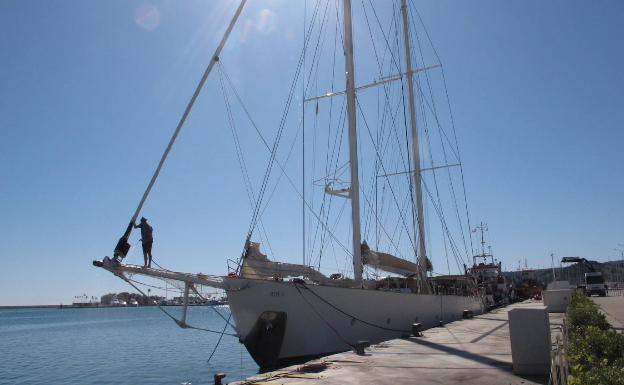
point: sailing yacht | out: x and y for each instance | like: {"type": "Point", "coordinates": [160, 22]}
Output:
{"type": "Point", "coordinates": [285, 312]}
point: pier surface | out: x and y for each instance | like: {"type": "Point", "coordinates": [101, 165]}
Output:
{"type": "Point", "coordinates": [613, 308]}
{"type": "Point", "coordinates": [472, 351]}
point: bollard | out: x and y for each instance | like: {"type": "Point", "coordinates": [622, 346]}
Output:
{"type": "Point", "coordinates": [218, 377]}
{"type": "Point", "coordinates": [417, 330]}
{"type": "Point", "coordinates": [360, 346]}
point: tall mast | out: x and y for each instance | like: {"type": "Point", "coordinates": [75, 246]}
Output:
{"type": "Point", "coordinates": [422, 252]}
{"type": "Point", "coordinates": [353, 154]}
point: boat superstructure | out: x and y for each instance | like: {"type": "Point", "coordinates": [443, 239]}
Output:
{"type": "Point", "coordinates": [488, 273]}
{"type": "Point", "coordinates": [285, 312]}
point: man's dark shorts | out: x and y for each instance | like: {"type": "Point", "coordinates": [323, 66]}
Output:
{"type": "Point", "coordinates": [147, 247]}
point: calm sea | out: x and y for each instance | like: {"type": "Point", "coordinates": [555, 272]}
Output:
{"type": "Point", "coordinates": [116, 346]}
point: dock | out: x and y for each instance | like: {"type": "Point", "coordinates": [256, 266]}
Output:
{"type": "Point", "coordinates": [469, 351]}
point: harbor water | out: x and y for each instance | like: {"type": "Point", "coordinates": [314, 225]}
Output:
{"type": "Point", "coordinates": [137, 346]}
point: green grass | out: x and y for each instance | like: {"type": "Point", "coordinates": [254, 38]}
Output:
{"type": "Point", "coordinates": [595, 350]}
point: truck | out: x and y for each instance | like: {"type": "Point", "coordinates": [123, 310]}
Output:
{"type": "Point", "coordinates": [595, 284]}
{"type": "Point", "coordinates": [594, 281]}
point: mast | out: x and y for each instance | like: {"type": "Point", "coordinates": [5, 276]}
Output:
{"type": "Point", "coordinates": [482, 227]}
{"type": "Point", "coordinates": [422, 252]}
{"type": "Point", "coordinates": [353, 154]}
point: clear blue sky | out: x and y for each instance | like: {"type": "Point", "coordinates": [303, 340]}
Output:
{"type": "Point", "coordinates": [91, 91]}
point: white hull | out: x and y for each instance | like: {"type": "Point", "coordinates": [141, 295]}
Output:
{"type": "Point", "coordinates": [320, 320]}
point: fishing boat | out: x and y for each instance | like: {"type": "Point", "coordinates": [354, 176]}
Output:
{"type": "Point", "coordinates": [285, 312]}
{"type": "Point", "coordinates": [487, 271]}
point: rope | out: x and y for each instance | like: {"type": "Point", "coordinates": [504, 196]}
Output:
{"type": "Point", "coordinates": [227, 322]}
{"type": "Point", "coordinates": [329, 325]}
{"type": "Point", "coordinates": [154, 286]}
{"type": "Point", "coordinates": [178, 322]}
{"type": "Point", "coordinates": [350, 315]}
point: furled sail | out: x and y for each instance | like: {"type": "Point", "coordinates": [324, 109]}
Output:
{"type": "Point", "coordinates": [257, 266]}
{"type": "Point", "coordinates": [387, 262]}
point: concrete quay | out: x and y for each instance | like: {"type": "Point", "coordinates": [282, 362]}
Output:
{"type": "Point", "coordinates": [471, 351]}
{"type": "Point", "coordinates": [613, 309]}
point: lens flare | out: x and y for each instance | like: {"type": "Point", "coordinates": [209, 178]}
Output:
{"type": "Point", "coordinates": [147, 17]}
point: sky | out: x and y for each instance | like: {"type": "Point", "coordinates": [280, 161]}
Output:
{"type": "Point", "coordinates": [90, 93]}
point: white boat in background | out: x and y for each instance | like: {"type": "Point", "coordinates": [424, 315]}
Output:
{"type": "Point", "coordinates": [287, 312]}
{"type": "Point", "coordinates": [118, 303]}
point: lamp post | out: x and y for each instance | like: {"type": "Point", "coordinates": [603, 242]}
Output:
{"type": "Point", "coordinates": [620, 277]}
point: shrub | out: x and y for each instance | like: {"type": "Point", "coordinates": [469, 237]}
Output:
{"type": "Point", "coordinates": [583, 313]}
{"type": "Point", "coordinates": [595, 350]}
{"type": "Point", "coordinates": [595, 347]}
{"type": "Point", "coordinates": [604, 375]}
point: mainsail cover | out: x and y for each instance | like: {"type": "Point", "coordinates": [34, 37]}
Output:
{"type": "Point", "coordinates": [257, 266]}
{"type": "Point", "coordinates": [387, 262]}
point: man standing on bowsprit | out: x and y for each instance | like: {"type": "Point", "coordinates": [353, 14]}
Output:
{"type": "Point", "coordinates": [146, 241]}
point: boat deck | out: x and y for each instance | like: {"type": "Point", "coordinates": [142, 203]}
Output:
{"type": "Point", "coordinates": [473, 351]}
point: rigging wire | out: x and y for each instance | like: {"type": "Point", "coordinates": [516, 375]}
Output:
{"type": "Point", "coordinates": [384, 170]}
{"type": "Point", "coordinates": [177, 289]}
{"type": "Point", "coordinates": [279, 164]}
{"type": "Point", "coordinates": [187, 110]}
{"type": "Point", "coordinates": [454, 249]}
{"type": "Point", "coordinates": [326, 203]}
{"type": "Point", "coordinates": [443, 147]}
{"type": "Point", "coordinates": [303, 192]}
{"type": "Point", "coordinates": [333, 150]}
{"type": "Point", "coordinates": [452, 119]}
{"type": "Point", "coordinates": [405, 164]}
{"type": "Point", "coordinates": [305, 85]}
{"type": "Point", "coordinates": [282, 124]}
{"type": "Point", "coordinates": [430, 151]}
{"type": "Point", "coordinates": [185, 326]}
{"type": "Point", "coordinates": [396, 248]}
{"type": "Point", "coordinates": [411, 181]}
{"type": "Point", "coordinates": [316, 68]}
{"type": "Point", "coordinates": [240, 155]}
{"type": "Point", "coordinates": [320, 220]}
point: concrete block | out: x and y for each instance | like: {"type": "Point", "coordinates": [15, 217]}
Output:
{"type": "Point", "coordinates": [557, 301]}
{"type": "Point", "coordinates": [529, 332]}
{"type": "Point", "coordinates": [555, 285]}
